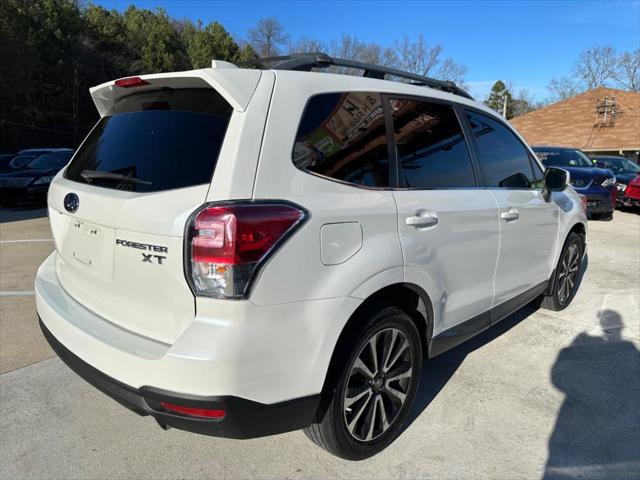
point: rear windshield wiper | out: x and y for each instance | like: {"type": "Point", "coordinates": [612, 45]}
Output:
{"type": "Point", "coordinates": [90, 175]}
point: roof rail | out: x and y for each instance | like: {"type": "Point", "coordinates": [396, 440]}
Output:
{"type": "Point", "coordinates": [307, 61]}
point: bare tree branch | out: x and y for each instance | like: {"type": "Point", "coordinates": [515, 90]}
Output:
{"type": "Point", "coordinates": [628, 71]}
{"type": "Point", "coordinates": [267, 37]}
{"type": "Point", "coordinates": [305, 45]}
{"type": "Point", "coordinates": [562, 88]}
{"type": "Point", "coordinates": [595, 66]}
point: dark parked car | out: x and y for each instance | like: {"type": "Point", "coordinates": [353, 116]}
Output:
{"type": "Point", "coordinates": [14, 161]}
{"type": "Point", "coordinates": [623, 168]}
{"type": "Point", "coordinates": [597, 184]}
{"type": "Point", "coordinates": [5, 159]}
{"type": "Point", "coordinates": [29, 180]}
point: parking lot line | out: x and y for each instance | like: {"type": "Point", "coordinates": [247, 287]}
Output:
{"type": "Point", "coordinates": [17, 293]}
{"type": "Point", "coordinates": [27, 240]}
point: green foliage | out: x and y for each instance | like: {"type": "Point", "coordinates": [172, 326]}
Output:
{"type": "Point", "coordinates": [53, 51]}
{"type": "Point", "coordinates": [212, 41]}
{"type": "Point", "coordinates": [497, 96]}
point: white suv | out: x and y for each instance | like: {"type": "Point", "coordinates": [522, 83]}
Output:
{"type": "Point", "coordinates": [248, 251]}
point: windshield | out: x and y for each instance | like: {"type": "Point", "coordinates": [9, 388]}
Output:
{"type": "Point", "coordinates": [21, 161]}
{"type": "Point", "coordinates": [563, 158]}
{"type": "Point", "coordinates": [164, 139]}
{"type": "Point", "coordinates": [51, 160]}
{"type": "Point", "coordinates": [620, 165]}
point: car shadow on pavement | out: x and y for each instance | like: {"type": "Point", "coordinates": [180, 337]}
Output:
{"type": "Point", "coordinates": [597, 433]}
{"type": "Point", "coordinates": [22, 212]}
{"type": "Point", "coordinates": [439, 370]}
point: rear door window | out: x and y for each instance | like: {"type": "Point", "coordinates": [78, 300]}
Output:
{"type": "Point", "coordinates": [431, 147]}
{"type": "Point", "coordinates": [342, 136]}
{"type": "Point", "coordinates": [154, 141]}
{"type": "Point", "coordinates": [503, 159]}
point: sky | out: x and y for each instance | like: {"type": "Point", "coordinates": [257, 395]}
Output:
{"type": "Point", "coordinates": [524, 43]}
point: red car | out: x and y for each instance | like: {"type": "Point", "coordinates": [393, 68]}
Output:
{"type": "Point", "coordinates": [631, 196]}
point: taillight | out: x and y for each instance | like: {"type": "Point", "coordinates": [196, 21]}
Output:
{"type": "Point", "coordinates": [193, 412]}
{"type": "Point", "coordinates": [131, 82]}
{"type": "Point", "coordinates": [227, 244]}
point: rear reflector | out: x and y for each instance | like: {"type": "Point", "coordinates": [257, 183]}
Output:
{"type": "Point", "coordinates": [130, 82]}
{"type": "Point", "coordinates": [583, 200]}
{"type": "Point", "coordinates": [228, 243]}
{"type": "Point", "coordinates": [193, 412]}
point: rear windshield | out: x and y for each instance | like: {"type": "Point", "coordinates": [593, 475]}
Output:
{"type": "Point", "coordinates": [154, 141]}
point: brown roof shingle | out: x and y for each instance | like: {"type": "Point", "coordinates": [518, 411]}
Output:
{"type": "Point", "coordinates": [574, 123]}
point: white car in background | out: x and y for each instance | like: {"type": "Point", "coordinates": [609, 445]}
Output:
{"type": "Point", "coordinates": [249, 251]}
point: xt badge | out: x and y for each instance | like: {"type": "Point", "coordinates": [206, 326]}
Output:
{"type": "Point", "coordinates": [148, 258]}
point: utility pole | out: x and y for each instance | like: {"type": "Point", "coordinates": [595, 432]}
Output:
{"type": "Point", "coordinates": [504, 107]}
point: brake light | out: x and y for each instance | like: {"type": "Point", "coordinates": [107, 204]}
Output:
{"type": "Point", "coordinates": [130, 82]}
{"type": "Point", "coordinates": [193, 412]}
{"type": "Point", "coordinates": [228, 243]}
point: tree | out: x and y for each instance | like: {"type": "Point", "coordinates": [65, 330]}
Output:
{"type": "Point", "coordinates": [598, 66]}
{"type": "Point", "coordinates": [268, 37]}
{"type": "Point", "coordinates": [306, 44]}
{"type": "Point", "coordinates": [562, 88]}
{"type": "Point", "coordinates": [523, 103]}
{"type": "Point", "coordinates": [628, 70]}
{"type": "Point", "coordinates": [497, 97]}
{"type": "Point", "coordinates": [416, 56]}
{"type": "Point", "coordinates": [155, 41]}
{"type": "Point", "coordinates": [595, 66]}
{"type": "Point", "coordinates": [209, 43]}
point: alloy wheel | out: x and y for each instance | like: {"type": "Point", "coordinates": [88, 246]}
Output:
{"type": "Point", "coordinates": [378, 384]}
{"type": "Point", "coordinates": [568, 273]}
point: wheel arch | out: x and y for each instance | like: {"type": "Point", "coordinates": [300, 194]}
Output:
{"type": "Point", "coordinates": [408, 297]}
{"type": "Point", "coordinates": [580, 229]}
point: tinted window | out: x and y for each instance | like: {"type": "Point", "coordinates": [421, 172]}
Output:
{"type": "Point", "coordinates": [430, 144]}
{"type": "Point", "coordinates": [563, 158]}
{"type": "Point", "coordinates": [342, 136]}
{"type": "Point", "coordinates": [22, 160]}
{"type": "Point", "coordinates": [503, 158]}
{"type": "Point", "coordinates": [51, 160]}
{"type": "Point", "coordinates": [538, 174]}
{"type": "Point", "coordinates": [619, 165]}
{"type": "Point", "coordinates": [155, 141]}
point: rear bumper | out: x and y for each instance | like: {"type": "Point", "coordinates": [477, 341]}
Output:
{"type": "Point", "coordinates": [266, 364]}
{"type": "Point", "coordinates": [243, 418]}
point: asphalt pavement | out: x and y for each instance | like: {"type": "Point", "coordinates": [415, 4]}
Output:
{"type": "Point", "coordinates": [542, 394]}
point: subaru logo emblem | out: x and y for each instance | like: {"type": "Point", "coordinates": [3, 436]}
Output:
{"type": "Point", "coordinates": [71, 202]}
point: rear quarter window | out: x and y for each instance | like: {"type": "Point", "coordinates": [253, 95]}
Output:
{"type": "Point", "coordinates": [342, 136]}
{"type": "Point", "coordinates": [154, 141]}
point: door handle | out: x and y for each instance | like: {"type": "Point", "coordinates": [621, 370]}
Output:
{"type": "Point", "coordinates": [510, 215]}
{"type": "Point", "coordinates": [422, 219]}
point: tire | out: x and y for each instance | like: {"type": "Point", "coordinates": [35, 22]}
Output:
{"type": "Point", "coordinates": [560, 298]}
{"type": "Point", "coordinates": [348, 432]}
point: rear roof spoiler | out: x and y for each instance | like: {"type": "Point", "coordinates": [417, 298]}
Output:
{"type": "Point", "coordinates": [235, 85]}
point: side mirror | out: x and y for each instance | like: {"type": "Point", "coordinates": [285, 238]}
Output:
{"type": "Point", "coordinates": [601, 165]}
{"type": "Point", "coordinates": [555, 180]}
